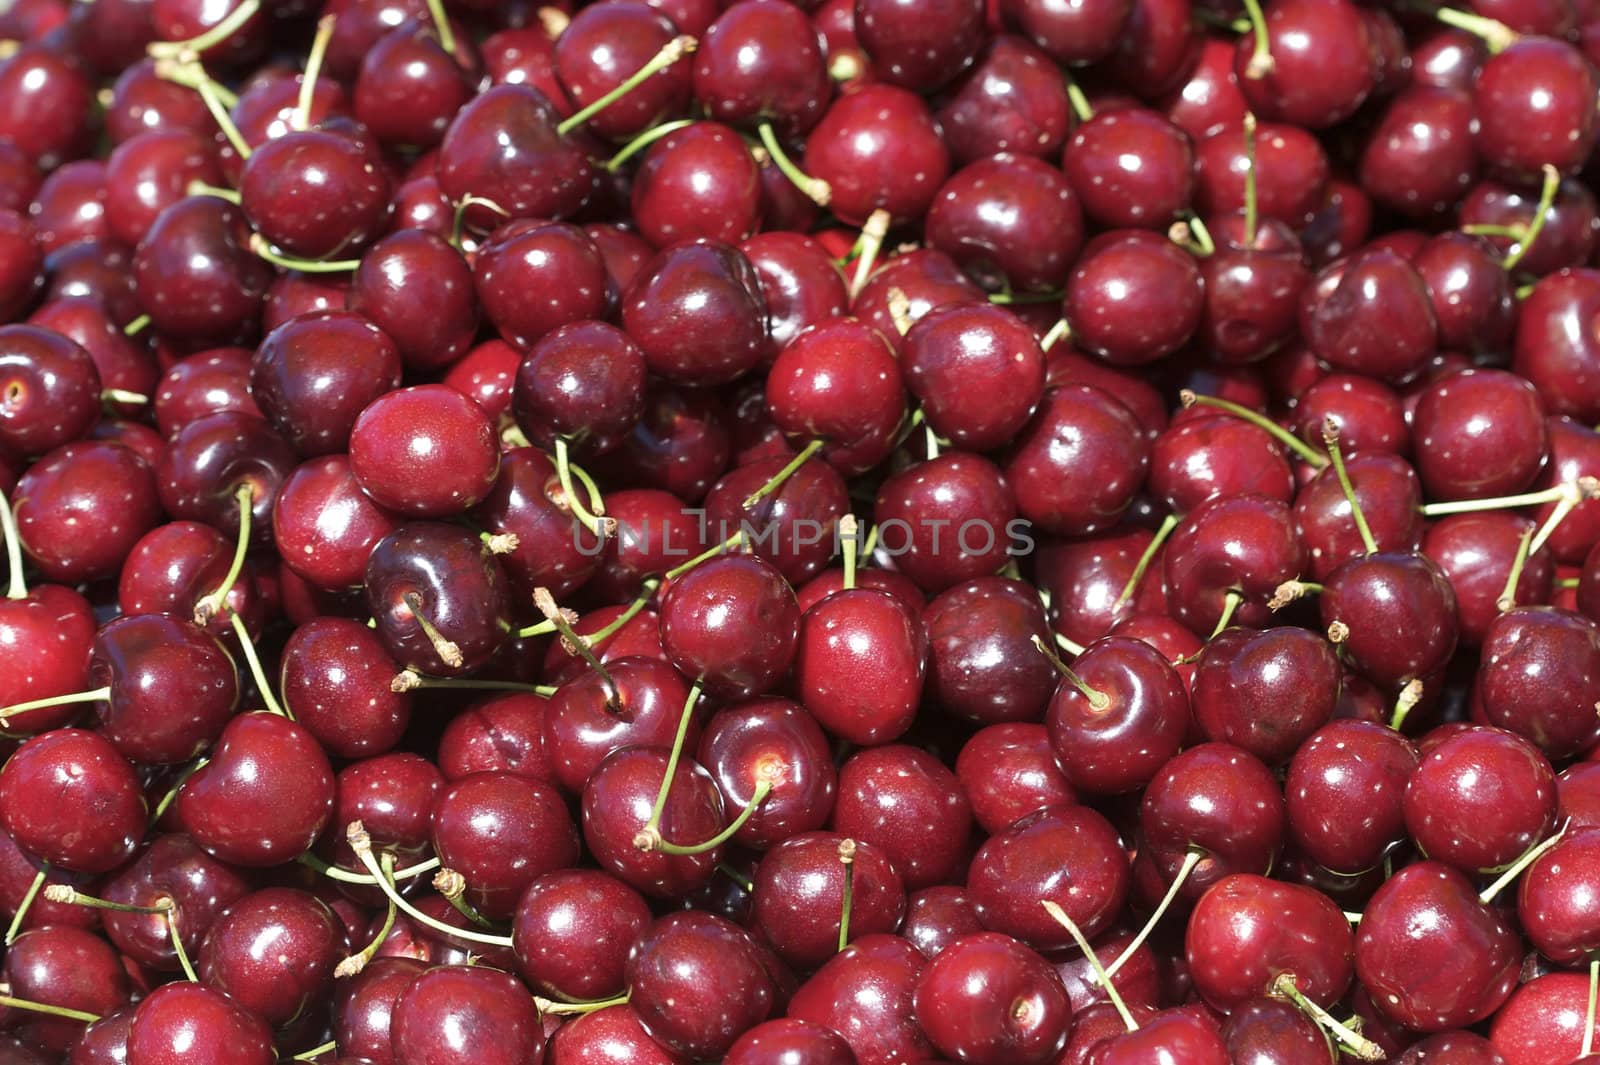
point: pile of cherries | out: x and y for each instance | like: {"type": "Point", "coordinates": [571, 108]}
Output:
{"type": "Point", "coordinates": [799, 532]}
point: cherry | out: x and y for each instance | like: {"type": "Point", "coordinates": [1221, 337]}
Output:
{"type": "Point", "coordinates": [122, 362]}
{"type": "Point", "coordinates": [1176, 1034]}
{"type": "Point", "coordinates": [409, 87]}
{"type": "Point", "coordinates": [174, 1018]}
{"type": "Point", "coordinates": [195, 276]}
{"type": "Point", "coordinates": [838, 380]}
{"type": "Point", "coordinates": [790, 1040]}
{"type": "Point", "coordinates": [1532, 101]}
{"type": "Point", "coordinates": [522, 256]}
{"type": "Point", "coordinates": [70, 206]}
{"type": "Point", "coordinates": [1246, 931]}
{"type": "Point", "coordinates": [777, 742]}
{"type": "Point", "coordinates": [325, 526]}
{"type": "Point", "coordinates": [865, 994]}
{"type": "Point", "coordinates": [70, 798]}
{"type": "Point", "coordinates": [438, 596]}
{"type": "Point", "coordinates": [613, 1032]}
{"type": "Point", "coordinates": [1421, 908]}
{"type": "Point", "coordinates": [1476, 551]}
{"type": "Point", "coordinates": [1480, 798]}
{"type": "Point", "coordinates": [637, 701]}
{"type": "Point", "coordinates": [1267, 1030]}
{"type": "Point", "coordinates": [761, 61]}
{"type": "Point", "coordinates": [1134, 297]}
{"type": "Point", "coordinates": [197, 887]}
{"type": "Point", "coordinates": [697, 312]}
{"type": "Point", "coordinates": [1291, 173]}
{"type": "Point", "coordinates": [618, 799]}
{"type": "Point", "coordinates": [1390, 496]}
{"type": "Point", "coordinates": [418, 291]}
{"type": "Point", "coordinates": [1207, 456]}
{"type": "Point", "coordinates": [1370, 314]}
{"type": "Point", "coordinates": [1458, 456]}
{"type": "Point", "coordinates": [1346, 766]}
{"type": "Point", "coordinates": [878, 149]}
{"type": "Point", "coordinates": [948, 520]}
{"type": "Point", "coordinates": [56, 625]}
{"type": "Point", "coordinates": [1560, 648]}
{"type": "Point", "coordinates": [241, 811]}
{"type": "Point", "coordinates": [1231, 549]}
{"type": "Point", "coordinates": [583, 381]}
{"type": "Point", "coordinates": [49, 390]}
{"type": "Point", "coordinates": [926, 277]}
{"type": "Point", "coordinates": [1286, 78]}
{"type": "Point", "coordinates": [1401, 611]}
{"type": "Point", "coordinates": [68, 968]}
{"type": "Point", "coordinates": [1012, 222]}
{"type": "Point", "coordinates": [988, 999]}
{"type": "Point", "coordinates": [527, 501]}
{"type": "Point", "coordinates": [1118, 717]}
{"type": "Point", "coordinates": [1132, 168]}
{"type": "Point", "coordinates": [461, 1011]}
{"type": "Point", "coordinates": [698, 981]}
{"type": "Point", "coordinates": [1420, 158]}
{"type": "Point", "coordinates": [1266, 692]}
{"type": "Point", "coordinates": [1086, 578]}
{"type": "Point", "coordinates": [1550, 899]}
{"type": "Point", "coordinates": [982, 664]}
{"type": "Point", "coordinates": [1010, 100]}
{"type": "Point", "coordinates": [314, 375]}
{"type": "Point", "coordinates": [426, 450]}
{"type": "Point", "coordinates": [273, 952]}
{"type": "Point", "coordinates": [392, 796]}
{"type": "Point", "coordinates": [1368, 415]}
{"type": "Point", "coordinates": [802, 284]}
{"type": "Point", "coordinates": [859, 665]}
{"type": "Point", "coordinates": [697, 182]}
{"type": "Point", "coordinates": [1569, 226]}
{"type": "Point", "coordinates": [1216, 801]}
{"type": "Point", "coordinates": [88, 483]}
{"type": "Point", "coordinates": [797, 904]}
{"type": "Point", "coordinates": [1065, 854]}
{"type": "Point", "coordinates": [1546, 1019]}
{"type": "Point", "coordinates": [315, 193]}
{"type": "Point", "coordinates": [501, 832]}
{"type": "Point", "coordinates": [209, 382]}
{"type": "Point", "coordinates": [337, 679]}
{"type": "Point", "coordinates": [1008, 771]}
{"type": "Point", "coordinates": [572, 932]}
{"type": "Point", "coordinates": [504, 147]}
{"type": "Point", "coordinates": [888, 795]}
{"type": "Point", "coordinates": [48, 99]}
{"type": "Point", "coordinates": [363, 1011]}
{"type": "Point", "coordinates": [733, 624]}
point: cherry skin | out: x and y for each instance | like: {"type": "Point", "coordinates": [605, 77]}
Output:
{"type": "Point", "coordinates": [194, 275]}
{"type": "Point", "coordinates": [363, 1011]}
{"type": "Point", "coordinates": [315, 193]}
{"type": "Point", "coordinates": [918, 47]}
{"type": "Point", "coordinates": [1401, 615]}
{"type": "Point", "coordinates": [447, 576]}
{"type": "Point", "coordinates": [1390, 496]}
{"type": "Point", "coordinates": [49, 389]}
{"type": "Point", "coordinates": [1470, 291]}
{"type": "Point", "coordinates": [1069, 855]}
{"type": "Point", "coordinates": [1416, 911]}
{"type": "Point", "coordinates": [172, 687]}
{"type": "Point", "coordinates": [1246, 930]}
{"type": "Point", "coordinates": [894, 795]}
{"type": "Point", "coordinates": [325, 526]}
{"type": "Point", "coordinates": [208, 382]}
{"type": "Point", "coordinates": [503, 147]}
{"type": "Point", "coordinates": [799, 896]}
{"type": "Point", "coordinates": [1008, 771]}
{"type": "Point", "coordinates": [555, 259]}
{"type": "Point", "coordinates": [175, 1017]}
{"type": "Point", "coordinates": [698, 982]}
{"type": "Point", "coordinates": [1132, 167]}
{"type": "Point", "coordinates": [198, 887]}
{"type": "Point", "coordinates": [1204, 456]}
{"type": "Point", "coordinates": [1310, 86]}
{"type": "Point", "coordinates": [948, 520]}
{"type": "Point", "coordinates": [209, 460]}
{"type": "Point", "coordinates": [1220, 800]}
{"type": "Point", "coordinates": [501, 832]}
{"type": "Point", "coordinates": [698, 182]}
{"type": "Point", "coordinates": [1476, 551]}
{"type": "Point", "coordinates": [790, 1041]}
{"type": "Point", "coordinates": [1114, 737]}
{"type": "Point", "coordinates": [68, 797]}
{"type": "Point", "coordinates": [776, 741]}
{"type": "Point", "coordinates": [409, 88]}
{"type": "Point", "coordinates": [1532, 108]}
{"type": "Point", "coordinates": [553, 550]}
{"type": "Point", "coordinates": [1558, 646]}
{"type": "Point", "coordinates": [1340, 763]}
{"type": "Point", "coordinates": [1114, 291]}
{"type": "Point", "coordinates": [1457, 457]}
{"type": "Point", "coordinates": [789, 527]}
{"type": "Point", "coordinates": [878, 149]}
{"type": "Point", "coordinates": [1240, 544]}
{"type": "Point", "coordinates": [617, 800]}
{"type": "Point", "coordinates": [865, 994]}
{"type": "Point", "coordinates": [427, 451]}
{"type": "Point", "coordinates": [762, 61]}
{"type": "Point", "coordinates": [336, 679]}
{"type": "Point", "coordinates": [988, 999]}
{"type": "Point", "coordinates": [1369, 314]}
{"type": "Point", "coordinates": [1544, 1020]}
{"type": "Point", "coordinates": [572, 932]}
{"type": "Point", "coordinates": [392, 795]}
{"type": "Point", "coordinates": [466, 1012]}
{"type": "Point", "coordinates": [839, 381]}
{"type": "Point", "coordinates": [66, 967]}
{"type": "Point", "coordinates": [56, 626]}
{"type": "Point", "coordinates": [860, 664]}
{"type": "Point", "coordinates": [612, 1033]}
{"type": "Point", "coordinates": [245, 813]}
{"type": "Point", "coordinates": [313, 376]}
{"type": "Point", "coordinates": [802, 284]}
{"type": "Point", "coordinates": [982, 662]}
{"type": "Point", "coordinates": [1480, 798]}
{"type": "Point", "coordinates": [1266, 692]}
{"type": "Point", "coordinates": [1264, 1031]}
{"type": "Point", "coordinates": [732, 623]}
{"type": "Point", "coordinates": [1420, 159]}
{"type": "Point", "coordinates": [273, 953]}
{"type": "Point", "coordinates": [1012, 222]}
{"type": "Point", "coordinates": [1550, 898]}
{"type": "Point", "coordinates": [583, 722]}
{"type": "Point", "coordinates": [1175, 1034]}
{"type": "Point", "coordinates": [418, 290]}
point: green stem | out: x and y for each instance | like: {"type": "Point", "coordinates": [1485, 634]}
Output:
{"type": "Point", "coordinates": [847, 535]}
{"type": "Point", "coordinates": [763, 789]}
{"type": "Point", "coordinates": [190, 75]}
{"type": "Point", "coordinates": [1306, 452]}
{"type": "Point", "coordinates": [643, 141]}
{"type": "Point", "coordinates": [137, 326]}
{"type": "Point", "coordinates": [26, 904]}
{"type": "Point", "coordinates": [452, 887]}
{"type": "Point", "coordinates": [1060, 917]}
{"type": "Point", "coordinates": [361, 843]}
{"type": "Point", "coordinates": [53, 1011]}
{"type": "Point", "coordinates": [14, 709]}
{"type": "Point", "coordinates": [705, 556]}
{"type": "Point", "coordinates": [1330, 438]}
{"type": "Point", "coordinates": [847, 858]}
{"type": "Point", "coordinates": [1058, 332]}
{"type": "Point", "coordinates": [200, 188]}
{"type": "Point", "coordinates": [1519, 561]}
{"type": "Point", "coordinates": [264, 250]}
{"type": "Point", "coordinates": [1588, 1016]}
{"type": "Point", "coordinates": [344, 876]}
{"type": "Point", "coordinates": [459, 222]}
{"type": "Point", "coordinates": [248, 649]}
{"type": "Point", "coordinates": [646, 593]}
{"type": "Point", "coordinates": [66, 895]}
{"type": "Point", "coordinates": [1168, 523]}
{"type": "Point", "coordinates": [213, 604]}
{"type": "Point", "coordinates": [177, 947]}
{"type": "Point", "coordinates": [18, 586]}
{"type": "Point", "coordinates": [1497, 35]}
{"type": "Point", "coordinates": [649, 838]}
{"type": "Point", "coordinates": [568, 1009]}
{"type": "Point", "coordinates": [737, 877]}
{"type": "Point", "coordinates": [1098, 700]}
{"type": "Point", "coordinates": [317, 1051]}
{"type": "Point", "coordinates": [1260, 63]}
{"type": "Point", "coordinates": [1082, 110]}
{"type": "Point", "coordinates": [1190, 860]}
{"type": "Point", "coordinates": [875, 229]}
{"type": "Point", "coordinates": [776, 481]}
{"type": "Point", "coordinates": [564, 474]}
{"type": "Point", "coordinates": [210, 38]}
{"type": "Point", "coordinates": [219, 112]}
{"type": "Point", "coordinates": [1230, 603]}
{"type": "Point", "coordinates": [670, 53]}
{"type": "Point", "coordinates": [1405, 702]}
{"type": "Point", "coordinates": [1470, 506]}
{"type": "Point", "coordinates": [572, 643]}
{"type": "Point", "coordinates": [172, 793]}
{"type": "Point", "coordinates": [1547, 199]}
{"type": "Point", "coordinates": [1251, 197]}
{"type": "Point", "coordinates": [301, 119]}
{"type": "Point", "coordinates": [441, 26]}
{"type": "Point", "coordinates": [815, 189]}
{"type": "Point", "coordinates": [1352, 1041]}
{"type": "Point", "coordinates": [1516, 868]}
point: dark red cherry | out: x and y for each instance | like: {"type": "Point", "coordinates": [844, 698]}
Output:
{"type": "Point", "coordinates": [802, 284]}
{"type": "Point", "coordinates": [1011, 100]}
{"type": "Point", "coordinates": [1370, 314]}
{"type": "Point", "coordinates": [1291, 173]}
{"type": "Point", "coordinates": [1343, 793]}
{"type": "Point", "coordinates": [1310, 85]}
{"type": "Point", "coordinates": [733, 624]}
{"type": "Point", "coordinates": [1533, 108]}
{"type": "Point", "coordinates": [798, 898]}
{"type": "Point", "coordinates": [617, 801]}
{"type": "Point", "coordinates": [1266, 691]}
{"type": "Point", "coordinates": [66, 967]}
{"type": "Point", "coordinates": [762, 62]}
{"type": "Point", "coordinates": [583, 382]}
{"type": "Point", "coordinates": [572, 932]}
{"type": "Point", "coordinates": [1075, 34]}
{"type": "Point", "coordinates": [938, 916]}
{"type": "Point", "coordinates": [1368, 415]}
{"type": "Point", "coordinates": [1420, 909]}
{"type": "Point", "coordinates": [613, 1032]}
{"type": "Point", "coordinates": [56, 626]}
{"type": "Point", "coordinates": [698, 982]}
{"type": "Point", "coordinates": [47, 105]}
{"type": "Point", "coordinates": [698, 182]}
{"type": "Point", "coordinates": [313, 376]}
{"type": "Point", "coordinates": [211, 459]}
{"type": "Point", "coordinates": [418, 291]}
{"type": "Point", "coordinates": [556, 260]}
{"type": "Point", "coordinates": [988, 999]}
{"type": "Point", "coordinates": [1205, 457]}
{"type": "Point", "coordinates": [859, 665]}
{"type": "Point", "coordinates": [1398, 613]}
{"type": "Point", "coordinates": [878, 148]}
{"type": "Point", "coordinates": [1557, 711]}
{"type": "Point", "coordinates": [209, 382]}
{"type": "Point", "coordinates": [172, 687]}
{"type": "Point", "coordinates": [273, 952]}
{"type": "Point", "coordinates": [1546, 1019]}
{"type": "Point", "coordinates": [265, 795]}
{"type": "Point", "coordinates": [977, 371]}
{"type": "Point", "coordinates": [776, 741]}
{"type": "Point", "coordinates": [1012, 222]}
{"type": "Point", "coordinates": [175, 1017]}
{"type": "Point", "coordinates": [949, 519]}
{"type": "Point", "coordinates": [864, 993]}
{"type": "Point", "coordinates": [466, 1012]}
{"type": "Point", "coordinates": [1246, 930]}
{"type": "Point", "coordinates": [1269, 1031]}
{"type": "Point", "coordinates": [501, 832]}
{"type": "Point", "coordinates": [697, 312]}
{"type": "Point", "coordinates": [553, 549]}
{"type": "Point", "coordinates": [409, 88]}
{"type": "Point", "coordinates": [1420, 160]}
{"type": "Point", "coordinates": [325, 526]}
{"type": "Point", "coordinates": [1480, 798]}
{"type": "Point", "coordinates": [1458, 455]}
{"type": "Point", "coordinates": [503, 146]}
{"type": "Point", "coordinates": [194, 275]}
{"type": "Point", "coordinates": [122, 362]}
{"type": "Point", "coordinates": [392, 796]}
{"type": "Point", "coordinates": [49, 390]}
{"type": "Point", "coordinates": [1244, 545]}
{"type": "Point", "coordinates": [198, 887]}
{"type": "Point", "coordinates": [426, 450]}
{"type": "Point", "coordinates": [1126, 719]}
{"type": "Point", "coordinates": [1221, 801]}
{"type": "Point", "coordinates": [1134, 297]}
{"type": "Point", "coordinates": [1571, 225]}
{"type": "Point", "coordinates": [1131, 168]}
{"type": "Point", "coordinates": [89, 484]}
{"type": "Point", "coordinates": [439, 597]}
{"type": "Point", "coordinates": [363, 1011]}
{"type": "Point", "coordinates": [315, 193]}
{"type": "Point", "coordinates": [839, 381]}
{"type": "Point", "coordinates": [70, 207]}
{"type": "Point", "coordinates": [1069, 855]}
{"type": "Point", "coordinates": [1476, 551]}
{"type": "Point", "coordinates": [337, 679]}
{"type": "Point", "coordinates": [501, 732]}
{"type": "Point", "coordinates": [908, 804]}
{"type": "Point", "coordinates": [1008, 771]}
{"type": "Point", "coordinates": [637, 703]}
{"type": "Point", "coordinates": [70, 798]}
{"type": "Point", "coordinates": [790, 1041]}
{"type": "Point", "coordinates": [601, 48]}
{"type": "Point", "coordinates": [983, 666]}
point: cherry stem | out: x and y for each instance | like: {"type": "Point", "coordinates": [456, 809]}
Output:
{"type": "Point", "coordinates": [409, 680]}
{"type": "Point", "coordinates": [248, 649]}
{"type": "Point", "coordinates": [317, 1051]}
{"type": "Point", "coordinates": [1007, 298]}
{"type": "Point", "coordinates": [301, 118]}
{"type": "Point", "coordinates": [670, 53]}
{"type": "Point", "coordinates": [848, 533]}
{"type": "Point", "coordinates": [649, 837]}
{"type": "Point", "coordinates": [1568, 583]}
{"type": "Point", "coordinates": [1060, 917]}
{"type": "Point", "coordinates": [1192, 236]}
{"type": "Point", "coordinates": [1508, 594]}
{"type": "Point", "coordinates": [1190, 860]}
{"type": "Point", "coordinates": [1098, 700]}
{"type": "Point", "coordinates": [776, 481]}
{"type": "Point", "coordinates": [1552, 494]}
{"type": "Point", "coordinates": [847, 858]}
{"type": "Point", "coordinates": [177, 946]}
{"type": "Point", "coordinates": [737, 877]}
{"type": "Point", "coordinates": [447, 650]}
{"type": "Point", "coordinates": [817, 190]}
{"type": "Point", "coordinates": [1071, 647]}
{"type": "Point", "coordinates": [65, 895]}
{"type": "Point", "coordinates": [757, 797]}
{"type": "Point", "coordinates": [647, 591]}
{"type": "Point", "coordinates": [898, 304]}
{"type": "Point", "coordinates": [123, 396]}
{"type": "Point", "coordinates": [1306, 452]}
{"type": "Point", "coordinates": [1260, 64]}
{"type": "Point", "coordinates": [1354, 1042]}
{"type": "Point", "coordinates": [452, 887]}
{"type": "Point", "coordinates": [1082, 109]}
{"type": "Point", "coordinates": [1584, 488]}
{"type": "Point", "coordinates": [459, 221]}
{"type": "Point", "coordinates": [190, 75]}
{"type": "Point", "coordinates": [706, 556]}
{"type": "Point", "coordinates": [589, 516]}
{"type": "Point", "coordinates": [1058, 332]}
{"type": "Point", "coordinates": [15, 927]}
{"type": "Point", "coordinates": [264, 250]}
{"type": "Point", "coordinates": [53, 1011]}
{"type": "Point", "coordinates": [1168, 523]}
{"type": "Point", "coordinates": [1252, 208]}
{"type": "Point", "coordinates": [441, 26]}
{"type": "Point", "coordinates": [1547, 199]}
{"type": "Point", "coordinates": [200, 188]}
{"type": "Point", "coordinates": [359, 960]}
{"type": "Point", "coordinates": [209, 39]}
{"type": "Point", "coordinates": [14, 709]}
{"type": "Point", "coordinates": [345, 876]}
{"type": "Point", "coordinates": [137, 326]}
{"type": "Point", "coordinates": [1497, 35]}
{"type": "Point", "coordinates": [361, 843]}
{"type": "Point", "coordinates": [219, 111]}
{"type": "Point", "coordinates": [1330, 437]}
{"type": "Point", "coordinates": [17, 588]}
{"type": "Point", "coordinates": [871, 243]}
{"type": "Point", "coordinates": [211, 605]}
{"type": "Point", "coordinates": [575, 644]}
{"type": "Point", "coordinates": [1588, 1016]}
{"type": "Point", "coordinates": [1230, 604]}
{"type": "Point", "coordinates": [643, 141]}
{"type": "Point", "coordinates": [1515, 869]}
{"type": "Point", "coordinates": [1289, 591]}
{"type": "Point", "coordinates": [172, 793]}
{"type": "Point", "coordinates": [567, 1009]}
{"type": "Point", "coordinates": [1405, 702]}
